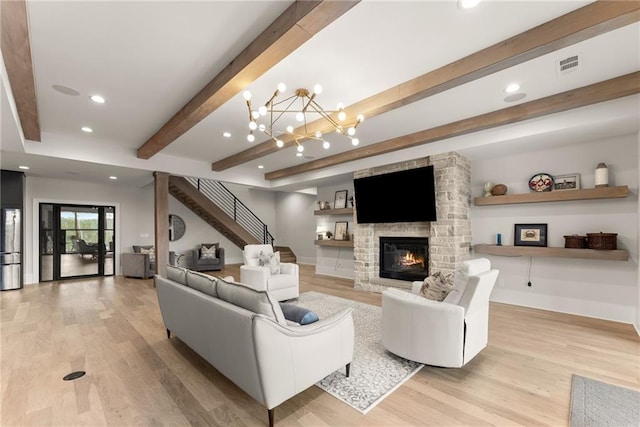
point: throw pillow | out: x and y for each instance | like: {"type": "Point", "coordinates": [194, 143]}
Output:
{"type": "Point", "coordinates": [298, 314]}
{"type": "Point", "coordinates": [152, 253]}
{"type": "Point", "coordinates": [437, 286]}
{"type": "Point", "coordinates": [270, 260]}
{"type": "Point", "coordinates": [208, 253]}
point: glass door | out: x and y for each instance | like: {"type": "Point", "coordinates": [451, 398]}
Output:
{"type": "Point", "coordinates": [76, 241]}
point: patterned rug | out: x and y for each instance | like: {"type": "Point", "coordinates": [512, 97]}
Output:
{"type": "Point", "coordinates": [375, 372]}
{"type": "Point", "coordinates": [595, 403]}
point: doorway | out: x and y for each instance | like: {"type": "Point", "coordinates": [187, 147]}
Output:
{"type": "Point", "coordinates": [76, 241]}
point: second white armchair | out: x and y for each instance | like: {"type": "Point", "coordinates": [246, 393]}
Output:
{"type": "Point", "coordinates": [263, 271]}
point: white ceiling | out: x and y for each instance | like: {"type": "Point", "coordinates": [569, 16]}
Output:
{"type": "Point", "coordinates": [149, 58]}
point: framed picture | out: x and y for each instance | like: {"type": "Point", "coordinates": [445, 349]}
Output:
{"type": "Point", "coordinates": [530, 235]}
{"type": "Point", "coordinates": [341, 230]}
{"type": "Point", "coordinates": [567, 182]}
{"type": "Point", "coordinates": [340, 201]}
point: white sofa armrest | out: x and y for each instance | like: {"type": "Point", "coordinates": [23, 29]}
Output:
{"type": "Point", "coordinates": [293, 358]}
{"type": "Point", "coordinates": [423, 330]}
{"type": "Point", "coordinates": [255, 276]}
{"type": "Point", "coordinates": [289, 268]}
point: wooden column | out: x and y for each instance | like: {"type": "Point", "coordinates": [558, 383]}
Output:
{"type": "Point", "coordinates": [161, 197]}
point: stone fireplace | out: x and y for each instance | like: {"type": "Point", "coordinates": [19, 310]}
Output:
{"type": "Point", "coordinates": [404, 258]}
{"type": "Point", "coordinates": [449, 238]}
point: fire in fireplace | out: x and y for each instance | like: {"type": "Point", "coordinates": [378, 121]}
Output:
{"type": "Point", "coordinates": [404, 258]}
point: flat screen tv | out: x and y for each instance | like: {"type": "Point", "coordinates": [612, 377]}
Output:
{"type": "Point", "coordinates": [404, 196]}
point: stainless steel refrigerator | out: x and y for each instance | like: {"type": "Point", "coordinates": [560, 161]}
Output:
{"type": "Point", "coordinates": [10, 248]}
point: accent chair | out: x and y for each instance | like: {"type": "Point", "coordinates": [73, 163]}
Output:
{"type": "Point", "coordinates": [141, 263]}
{"type": "Point", "coordinates": [446, 333]}
{"type": "Point", "coordinates": [263, 271]}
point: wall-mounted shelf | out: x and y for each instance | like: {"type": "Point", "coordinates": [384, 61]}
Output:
{"type": "Point", "coordinates": [611, 255]}
{"type": "Point", "coordinates": [335, 243]}
{"type": "Point", "coordinates": [555, 196]}
{"type": "Point", "coordinates": [343, 211]}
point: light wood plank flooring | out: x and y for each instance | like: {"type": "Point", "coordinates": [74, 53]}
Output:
{"type": "Point", "coordinates": [112, 328]}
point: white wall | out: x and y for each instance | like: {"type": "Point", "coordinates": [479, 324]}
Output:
{"type": "Point", "coordinates": [595, 288]}
{"type": "Point", "coordinates": [296, 224]}
{"type": "Point", "coordinates": [637, 322]}
{"type": "Point", "coordinates": [331, 261]}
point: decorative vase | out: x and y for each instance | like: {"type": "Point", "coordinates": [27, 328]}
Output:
{"type": "Point", "coordinates": [488, 186]}
{"type": "Point", "coordinates": [602, 175]}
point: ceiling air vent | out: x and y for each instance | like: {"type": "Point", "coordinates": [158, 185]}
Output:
{"type": "Point", "coordinates": [569, 64]}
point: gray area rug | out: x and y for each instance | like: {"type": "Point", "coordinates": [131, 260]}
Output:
{"type": "Point", "coordinates": [594, 403]}
{"type": "Point", "coordinates": [375, 372]}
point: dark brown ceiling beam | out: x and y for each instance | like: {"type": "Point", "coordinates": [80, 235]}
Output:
{"type": "Point", "coordinates": [584, 23]}
{"type": "Point", "coordinates": [605, 91]}
{"type": "Point", "coordinates": [301, 21]}
{"type": "Point", "coordinates": [16, 52]}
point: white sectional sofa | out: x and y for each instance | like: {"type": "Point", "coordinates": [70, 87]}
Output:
{"type": "Point", "coordinates": [242, 332]}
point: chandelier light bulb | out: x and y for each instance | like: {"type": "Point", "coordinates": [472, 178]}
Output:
{"type": "Point", "coordinates": [342, 115]}
{"type": "Point", "coordinates": [253, 125]}
{"type": "Point", "coordinates": [351, 131]}
{"type": "Point", "coordinates": [318, 134]}
{"type": "Point", "coordinates": [340, 106]}
{"type": "Point", "coordinates": [300, 148]}
{"type": "Point", "coordinates": [262, 110]}
{"type": "Point", "coordinates": [317, 89]}
{"type": "Point", "coordinates": [326, 145]}
{"type": "Point", "coordinates": [300, 116]}
{"type": "Point", "coordinates": [290, 129]}
{"type": "Point", "coordinates": [261, 127]}
{"type": "Point", "coordinates": [255, 114]}
{"type": "Point", "coordinates": [282, 87]}
{"type": "Point", "coordinates": [279, 143]}
{"type": "Point", "coordinates": [355, 141]}
{"type": "Point", "coordinates": [360, 118]}
{"type": "Point", "coordinates": [251, 138]}
{"type": "Point", "coordinates": [247, 95]}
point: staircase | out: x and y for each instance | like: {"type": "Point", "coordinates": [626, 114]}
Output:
{"type": "Point", "coordinates": [221, 210]}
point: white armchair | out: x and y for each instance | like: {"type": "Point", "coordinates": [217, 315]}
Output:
{"type": "Point", "coordinates": [282, 286]}
{"type": "Point", "coordinates": [445, 333]}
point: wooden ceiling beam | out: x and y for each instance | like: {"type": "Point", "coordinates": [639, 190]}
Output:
{"type": "Point", "coordinates": [301, 21]}
{"type": "Point", "coordinates": [584, 23]}
{"type": "Point", "coordinates": [16, 53]}
{"type": "Point", "coordinates": [604, 91]}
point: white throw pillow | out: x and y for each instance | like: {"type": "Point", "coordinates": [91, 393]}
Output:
{"type": "Point", "coordinates": [437, 286]}
{"type": "Point", "coordinates": [151, 252]}
{"type": "Point", "coordinates": [208, 253]}
{"type": "Point", "coordinates": [270, 260]}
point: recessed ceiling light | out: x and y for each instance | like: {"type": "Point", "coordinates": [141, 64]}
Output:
{"type": "Point", "coordinates": [468, 4]}
{"type": "Point", "coordinates": [23, 167]}
{"type": "Point", "coordinates": [515, 97]}
{"type": "Point", "coordinates": [226, 134]}
{"type": "Point", "coordinates": [298, 154]}
{"type": "Point", "coordinates": [86, 129]}
{"type": "Point", "coordinates": [98, 99]}
{"type": "Point", "coordinates": [66, 90]}
{"type": "Point", "coordinates": [512, 87]}
{"type": "Point", "coordinates": [113, 177]}
{"type": "Point", "coordinates": [260, 167]}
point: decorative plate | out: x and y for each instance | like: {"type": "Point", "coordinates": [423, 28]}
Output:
{"type": "Point", "coordinates": [541, 182]}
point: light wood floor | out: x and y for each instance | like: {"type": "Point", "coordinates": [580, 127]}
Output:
{"type": "Point", "coordinates": [111, 328]}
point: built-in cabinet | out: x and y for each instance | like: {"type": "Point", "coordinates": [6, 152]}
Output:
{"type": "Point", "coordinates": [554, 196]}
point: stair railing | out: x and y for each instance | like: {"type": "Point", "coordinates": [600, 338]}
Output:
{"type": "Point", "coordinates": [232, 206]}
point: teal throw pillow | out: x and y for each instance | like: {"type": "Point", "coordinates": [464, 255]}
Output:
{"type": "Point", "coordinates": [298, 314]}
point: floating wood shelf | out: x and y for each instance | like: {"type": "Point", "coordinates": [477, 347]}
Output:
{"type": "Point", "coordinates": [343, 211]}
{"type": "Point", "coordinates": [555, 196]}
{"type": "Point", "coordinates": [611, 255]}
{"type": "Point", "coordinates": [335, 243]}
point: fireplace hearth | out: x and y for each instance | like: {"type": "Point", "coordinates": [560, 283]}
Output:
{"type": "Point", "coordinates": [404, 258]}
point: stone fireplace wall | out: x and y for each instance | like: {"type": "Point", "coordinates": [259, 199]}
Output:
{"type": "Point", "coordinates": [449, 236]}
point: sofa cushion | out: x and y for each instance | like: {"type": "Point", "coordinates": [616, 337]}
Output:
{"type": "Point", "coordinates": [259, 302]}
{"type": "Point", "coordinates": [437, 286]}
{"type": "Point", "coordinates": [177, 274]}
{"type": "Point", "coordinates": [271, 260]}
{"type": "Point", "coordinates": [202, 282]}
{"type": "Point", "coordinates": [300, 315]}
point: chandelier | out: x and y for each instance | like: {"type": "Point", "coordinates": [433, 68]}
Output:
{"type": "Point", "coordinates": [277, 118]}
